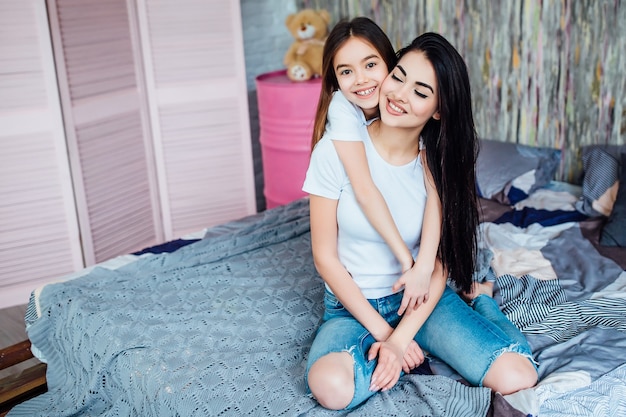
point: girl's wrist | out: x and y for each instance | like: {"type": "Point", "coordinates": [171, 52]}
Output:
{"type": "Point", "coordinates": [407, 264]}
{"type": "Point", "coordinates": [420, 267]}
{"type": "Point", "coordinates": [396, 340]}
{"type": "Point", "coordinates": [383, 336]}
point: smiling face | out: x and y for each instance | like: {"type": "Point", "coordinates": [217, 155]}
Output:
{"type": "Point", "coordinates": [409, 96]}
{"type": "Point", "coordinates": [360, 70]}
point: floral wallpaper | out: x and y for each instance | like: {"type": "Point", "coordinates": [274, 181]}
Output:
{"type": "Point", "coordinates": [544, 73]}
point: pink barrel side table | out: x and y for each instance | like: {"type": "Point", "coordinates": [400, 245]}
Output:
{"type": "Point", "coordinates": [286, 116]}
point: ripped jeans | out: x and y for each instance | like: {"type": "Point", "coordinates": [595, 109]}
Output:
{"type": "Point", "coordinates": [468, 339]}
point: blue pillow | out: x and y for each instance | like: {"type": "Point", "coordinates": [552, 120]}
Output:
{"type": "Point", "coordinates": [600, 179]}
{"type": "Point", "coordinates": [508, 172]}
{"type": "Point", "coordinates": [614, 231]}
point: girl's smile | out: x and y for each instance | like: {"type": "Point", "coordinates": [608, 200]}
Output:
{"type": "Point", "coordinates": [360, 70]}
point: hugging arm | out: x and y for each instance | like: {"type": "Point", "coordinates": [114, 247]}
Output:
{"type": "Point", "coordinates": [370, 199]}
{"type": "Point", "coordinates": [324, 245]}
{"type": "Point", "coordinates": [416, 281]}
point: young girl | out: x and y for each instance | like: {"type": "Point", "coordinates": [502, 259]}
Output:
{"type": "Point", "coordinates": [357, 58]}
{"type": "Point", "coordinates": [362, 345]}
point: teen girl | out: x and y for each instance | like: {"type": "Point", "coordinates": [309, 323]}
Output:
{"type": "Point", "coordinates": [363, 345]}
{"type": "Point", "coordinates": [352, 76]}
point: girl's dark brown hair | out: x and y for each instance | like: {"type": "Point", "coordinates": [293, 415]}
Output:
{"type": "Point", "coordinates": [361, 27]}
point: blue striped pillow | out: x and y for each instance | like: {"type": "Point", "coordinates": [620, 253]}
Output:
{"type": "Point", "coordinates": [614, 231]}
{"type": "Point", "coordinates": [601, 166]}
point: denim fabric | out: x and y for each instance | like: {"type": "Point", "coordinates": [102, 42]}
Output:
{"type": "Point", "coordinates": [468, 338]}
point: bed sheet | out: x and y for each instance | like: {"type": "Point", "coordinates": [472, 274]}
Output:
{"type": "Point", "coordinates": [226, 322]}
{"type": "Point", "coordinates": [555, 284]}
{"type": "Point", "coordinates": [221, 326]}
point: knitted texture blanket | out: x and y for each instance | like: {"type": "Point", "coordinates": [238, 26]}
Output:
{"type": "Point", "coordinates": [220, 327]}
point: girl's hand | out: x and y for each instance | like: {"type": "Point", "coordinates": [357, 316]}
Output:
{"type": "Point", "coordinates": [416, 283]}
{"type": "Point", "coordinates": [390, 362]}
{"type": "Point", "coordinates": [413, 357]}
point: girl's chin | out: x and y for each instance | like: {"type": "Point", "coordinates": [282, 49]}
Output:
{"type": "Point", "coordinates": [367, 104]}
{"type": "Point", "coordinates": [370, 111]}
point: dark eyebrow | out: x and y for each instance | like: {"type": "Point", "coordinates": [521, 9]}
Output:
{"type": "Point", "coordinates": [367, 58]}
{"type": "Point", "coordinates": [425, 85]}
{"type": "Point", "coordinates": [417, 82]}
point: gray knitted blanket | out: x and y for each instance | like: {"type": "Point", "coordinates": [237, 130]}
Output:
{"type": "Point", "coordinates": [221, 327]}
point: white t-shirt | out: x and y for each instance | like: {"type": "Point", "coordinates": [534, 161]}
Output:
{"type": "Point", "coordinates": [363, 252]}
{"type": "Point", "coordinates": [344, 119]}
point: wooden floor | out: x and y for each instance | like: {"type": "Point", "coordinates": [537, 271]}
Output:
{"type": "Point", "coordinates": [12, 331]}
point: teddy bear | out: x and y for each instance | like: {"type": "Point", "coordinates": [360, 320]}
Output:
{"type": "Point", "coordinates": [309, 28]}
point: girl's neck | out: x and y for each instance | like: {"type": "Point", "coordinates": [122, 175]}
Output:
{"type": "Point", "coordinates": [370, 113]}
{"type": "Point", "coordinates": [397, 146]}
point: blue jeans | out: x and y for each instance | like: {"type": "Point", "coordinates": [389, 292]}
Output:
{"type": "Point", "coordinates": [467, 338]}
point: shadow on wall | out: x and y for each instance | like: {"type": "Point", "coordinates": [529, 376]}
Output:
{"type": "Point", "coordinates": [266, 39]}
{"type": "Point", "coordinates": [253, 109]}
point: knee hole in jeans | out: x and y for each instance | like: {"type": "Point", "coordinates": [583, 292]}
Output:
{"type": "Point", "coordinates": [331, 380]}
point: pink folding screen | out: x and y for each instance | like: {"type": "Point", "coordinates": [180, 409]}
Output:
{"type": "Point", "coordinates": [39, 237]}
{"type": "Point", "coordinates": [123, 123]}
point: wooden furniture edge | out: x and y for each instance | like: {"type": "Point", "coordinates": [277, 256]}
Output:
{"type": "Point", "coordinates": [24, 385]}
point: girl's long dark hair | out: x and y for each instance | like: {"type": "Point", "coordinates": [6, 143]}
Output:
{"type": "Point", "coordinates": [361, 27]}
{"type": "Point", "coordinates": [451, 149]}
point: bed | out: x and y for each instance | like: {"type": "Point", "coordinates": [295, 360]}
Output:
{"type": "Point", "coordinates": [220, 322]}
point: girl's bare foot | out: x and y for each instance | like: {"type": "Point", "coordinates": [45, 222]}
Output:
{"type": "Point", "coordinates": [479, 288]}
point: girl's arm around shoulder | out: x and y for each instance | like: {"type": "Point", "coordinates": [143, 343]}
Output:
{"type": "Point", "coordinates": [325, 256]}
{"type": "Point", "coordinates": [431, 228]}
{"type": "Point", "coordinates": [370, 199]}
{"type": "Point", "coordinates": [416, 280]}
